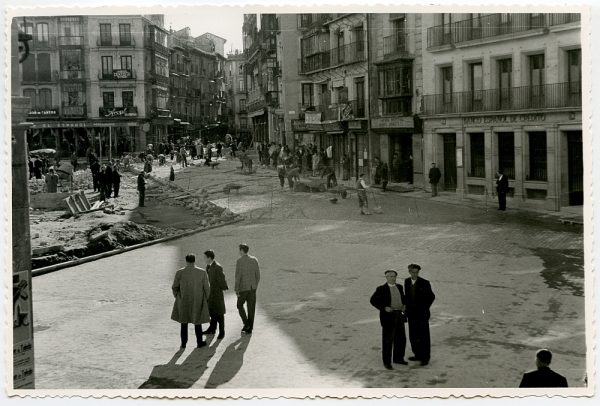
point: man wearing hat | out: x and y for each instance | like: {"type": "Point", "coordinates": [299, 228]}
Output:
{"type": "Point", "coordinates": [419, 298]}
{"type": "Point", "coordinates": [389, 300]}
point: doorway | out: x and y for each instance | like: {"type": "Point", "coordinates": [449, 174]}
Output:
{"type": "Point", "coordinates": [449, 169]}
{"type": "Point", "coordinates": [575, 167]}
{"type": "Point", "coordinates": [401, 169]}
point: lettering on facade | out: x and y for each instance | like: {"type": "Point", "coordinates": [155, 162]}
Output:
{"type": "Point", "coordinates": [122, 74]}
{"type": "Point", "coordinates": [43, 113]}
{"type": "Point", "coordinates": [392, 122]}
{"type": "Point", "coordinates": [118, 112]}
{"type": "Point", "coordinates": [312, 117]}
{"type": "Point", "coordinates": [516, 118]}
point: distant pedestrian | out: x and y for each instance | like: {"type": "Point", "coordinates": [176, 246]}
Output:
{"type": "Point", "coordinates": [148, 166]}
{"type": "Point", "coordinates": [345, 167]}
{"type": "Point", "coordinates": [361, 188]}
{"type": "Point", "coordinates": [434, 177]}
{"type": "Point", "coordinates": [116, 181]}
{"type": "Point", "coordinates": [141, 187]}
{"type": "Point", "coordinates": [501, 189]}
{"type": "Point", "coordinates": [183, 157]}
{"type": "Point", "coordinates": [95, 168]}
{"type": "Point", "coordinates": [389, 299]}
{"type": "Point", "coordinates": [108, 179]}
{"type": "Point", "coordinates": [102, 183]}
{"type": "Point", "coordinates": [543, 376]}
{"type": "Point", "coordinates": [51, 181]}
{"type": "Point", "coordinates": [281, 174]}
{"type": "Point", "coordinates": [191, 290]}
{"type": "Point", "coordinates": [74, 160]}
{"type": "Point", "coordinates": [377, 176]}
{"type": "Point", "coordinates": [330, 177]}
{"type": "Point", "coordinates": [38, 167]}
{"type": "Point", "coordinates": [216, 301]}
{"type": "Point", "coordinates": [172, 174]}
{"type": "Point", "coordinates": [30, 167]}
{"type": "Point", "coordinates": [247, 277]}
{"type": "Point", "coordinates": [419, 298]}
{"type": "Point", "coordinates": [385, 174]}
{"type": "Point", "coordinates": [293, 176]}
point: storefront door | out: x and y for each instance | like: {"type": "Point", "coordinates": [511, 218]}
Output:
{"type": "Point", "coordinates": [449, 169]}
{"type": "Point", "coordinates": [401, 158]}
{"type": "Point", "coordinates": [575, 151]}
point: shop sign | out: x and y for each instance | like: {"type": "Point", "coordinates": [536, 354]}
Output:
{"type": "Point", "coordinates": [312, 117]}
{"type": "Point", "coordinates": [299, 126]}
{"type": "Point", "coordinates": [43, 113]}
{"type": "Point", "coordinates": [355, 125]}
{"type": "Point", "coordinates": [392, 122]}
{"type": "Point", "coordinates": [506, 119]}
{"type": "Point", "coordinates": [118, 112]}
{"type": "Point", "coordinates": [335, 126]}
{"type": "Point", "coordinates": [70, 124]}
{"type": "Point", "coordinates": [122, 74]}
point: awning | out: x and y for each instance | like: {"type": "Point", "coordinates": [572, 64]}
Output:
{"type": "Point", "coordinates": [184, 123]}
{"type": "Point", "coordinates": [256, 113]}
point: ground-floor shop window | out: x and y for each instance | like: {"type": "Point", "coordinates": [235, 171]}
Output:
{"type": "Point", "coordinates": [506, 154]}
{"type": "Point", "coordinates": [477, 169]}
{"type": "Point", "coordinates": [538, 167]}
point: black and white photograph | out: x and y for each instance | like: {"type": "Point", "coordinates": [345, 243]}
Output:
{"type": "Point", "coordinates": [330, 201]}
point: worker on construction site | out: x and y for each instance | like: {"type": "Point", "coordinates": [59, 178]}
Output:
{"type": "Point", "coordinates": [51, 181]}
{"type": "Point", "coordinates": [141, 187]}
{"type": "Point", "coordinates": [361, 188]}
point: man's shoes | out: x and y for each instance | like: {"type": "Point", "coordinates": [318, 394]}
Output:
{"type": "Point", "coordinates": [221, 335]}
{"type": "Point", "coordinates": [182, 347]}
{"type": "Point", "coordinates": [402, 362]}
{"type": "Point", "coordinates": [423, 363]}
{"type": "Point", "coordinates": [202, 344]}
{"type": "Point", "coordinates": [247, 331]}
{"type": "Point", "coordinates": [388, 366]}
{"type": "Point", "coordinates": [209, 332]}
{"type": "Point", "coordinates": [413, 358]}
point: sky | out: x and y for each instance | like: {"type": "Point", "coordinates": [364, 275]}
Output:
{"type": "Point", "coordinates": [224, 22]}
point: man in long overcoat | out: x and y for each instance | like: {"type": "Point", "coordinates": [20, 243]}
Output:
{"type": "Point", "coordinates": [216, 301]}
{"type": "Point", "coordinates": [191, 290]}
{"type": "Point", "coordinates": [501, 189]}
{"type": "Point", "coordinates": [389, 300]}
{"type": "Point", "coordinates": [419, 298]}
{"type": "Point", "coordinates": [247, 277]}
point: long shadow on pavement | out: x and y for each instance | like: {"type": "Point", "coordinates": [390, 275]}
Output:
{"type": "Point", "coordinates": [182, 376]}
{"type": "Point", "coordinates": [229, 364]}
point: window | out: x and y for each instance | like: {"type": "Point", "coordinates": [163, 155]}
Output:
{"type": "Point", "coordinates": [126, 63]}
{"type": "Point", "coordinates": [243, 122]}
{"type": "Point", "coordinates": [359, 109]}
{"type": "Point", "coordinates": [504, 82]}
{"type": "Point", "coordinates": [447, 85]}
{"type": "Point", "coordinates": [45, 99]}
{"type": "Point", "coordinates": [107, 66]}
{"type": "Point", "coordinates": [574, 70]}
{"type": "Point", "coordinates": [108, 100]}
{"type": "Point", "coordinates": [241, 85]}
{"type": "Point", "coordinates": [29, 69]}
{"type": "Point", "coordinates": [399, 28]}
{"type": "Point", "coordinates": [307, 94]}
{"type": "Point", "coordinates": [506, 154]}
{"type": "Point", "coordinates": [105, 34]}
{"type": "Point", "coordinates": [325, 95]}
{"type": "Point", "coordinates": [125, 34]}
{"type": "Point", "coordinates": [43, 67]}
{"type": "Point", "coordinates": [536, 80]}
{"type": "Point", "coordinates": [30, 93]}
{"type": "Point", "coordinates": [395, 88]}
{"type": "Point", "coordinates": [242, 104]}
{"type": "Point", "coordinates": [446, 28]}
{"type": "Point", "coordinates": [340, 54]}
{"type": "Point", "coordinates": [475, 26]}
{"type": "Point", "coordinates": [127, 98]}
{"type": "Point", "coordinates": [70, 60]}
{"type": "Point", "coordinates": [505, 22]}
{"type": "Point", "coordinates": [477, 155]}
{"type": "Point", "coordinates": [476, 79]}
{"type": "Point", "coordinates": [42, 38]}
{"type": "Point", "coordinates": [537, 156]}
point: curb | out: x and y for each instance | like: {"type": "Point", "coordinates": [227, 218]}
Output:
{"type": "Point", "coordinates": [62, 265]}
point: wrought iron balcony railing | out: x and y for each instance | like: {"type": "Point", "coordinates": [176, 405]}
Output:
{"type": "Point", "coordinates": [115, 41]}
{"type": "Point", "coordinates": [76, 40]}
{"type": "Point", "coordinates": [558, 95]}
{"type": "Point", "coordinates": [73, 111]}
{"type": "Point", "coordinates": [395, 44]}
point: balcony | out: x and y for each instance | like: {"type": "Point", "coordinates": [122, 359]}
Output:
{"type": "Point", "coordinates": [70, 41]}
{"type": "Point", "coordinates": [160, 80]}
{"type": "Point", "coordinates": [315, 62]}
{"type": "Point", "coordinates": [38, 45]}
{"type": "Point", "coordinates": [43, 113]}
{"type": "Point", "coordinates": [118, 74]}
{"type": "Point", "coordinates": [396, 44]}
{"type": "Point", "coordinates": [67, 75]}
{"type": "Point", "coordinates": [118, 112]}
{"type": "Point", "coordinates": [73, 111]}
{"type": "Point", "coordinates": [161, 112]}
{"type": "Point", "coordinates": [349, 53]}
{"type": "Point", "coordinates": [493, 25]}
{"type": "Point", "coordinates": [306, 21]}
{"type": "Point", "coordinates": [40, 77]}
{"type": "Point", "coordinates": [558, 95]}
{"type": "Point", "coordinates": [115, 41]}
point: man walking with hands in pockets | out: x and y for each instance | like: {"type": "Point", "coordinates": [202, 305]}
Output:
{"type": "Point", "coordinates": [247, 276]}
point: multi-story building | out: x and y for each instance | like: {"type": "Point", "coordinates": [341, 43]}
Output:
{"type": "Point", "coordinates": [333, 101]}
{"type": "Point", "coordinates": [236, 88]}
{"type": "Point", "coordinates": [395, 66]}
{"type": "Point", "coordinates": [262, 77]}
{"type": "Point", "coordinates": [503, 91]}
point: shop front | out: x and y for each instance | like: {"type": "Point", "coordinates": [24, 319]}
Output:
{"type": "Point", "coordinates": [539, 152]}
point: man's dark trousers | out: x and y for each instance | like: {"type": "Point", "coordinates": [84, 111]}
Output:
{"type": "Point", "coordinates": [247, 296]}
{"type": "Point", "coordinates": [184, 334]}
{"type": "Point", "coordinates": [502, 200]}
{"type": "Point", "coordinates": [141, 193]}
{"type": "Point", "coordinates": [393, 335]}
{"type": "Point", "coordinates": [214, 320]}
{"type": "Point", "coordinates": [420, 341]}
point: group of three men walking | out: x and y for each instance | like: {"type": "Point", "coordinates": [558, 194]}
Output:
{"type": "Point", "coordinates": [397, 305]}
{"type": "Point", "coordinates": [199, 295]}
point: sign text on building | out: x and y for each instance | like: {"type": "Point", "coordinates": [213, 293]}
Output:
{"type": "Point", "coordinates": [516, 118]}
{"type": "Point", "coordinates": [43, 112]}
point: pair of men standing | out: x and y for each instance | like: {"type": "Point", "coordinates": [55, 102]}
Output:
{"type": "Point", "coordinates": [395, 308]}
{"type": "Point", "coordinates": [199, 295]}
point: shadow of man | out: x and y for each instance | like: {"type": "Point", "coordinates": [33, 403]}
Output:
{"type": "Point", "coordinates": [229, 364]}
{"type": "Point", "coordinates": [173, 376]}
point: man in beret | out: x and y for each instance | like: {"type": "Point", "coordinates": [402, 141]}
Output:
{"type": "Point", "coordinates": [389, 300]}
{"type": "Point", "coordinates": [419, 298]}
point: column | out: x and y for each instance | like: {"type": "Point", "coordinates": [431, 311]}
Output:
{"type": "Point", "coordinates": [552, 197]}
{"type": "Point", "coordinates": [460, 169]}
{"type": "Point", "coordinates": [490, 182]}
{"type": "Point", "coordinates": [519, 168]}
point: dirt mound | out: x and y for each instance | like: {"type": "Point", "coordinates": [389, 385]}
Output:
{"type": "Point", "coordinates": [107, 236]}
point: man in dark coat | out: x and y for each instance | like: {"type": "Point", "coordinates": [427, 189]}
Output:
{"type": "Point", "coordinates": [419, 298]}
{"type": "Point", "coordinates": [216, 301]}
{"type": "Point", "coordinates": [108, 179]}
{"type": "Point", "coordinates": [95, 168]}
{"type": "Point", "coordinates": [116, 181]}
{"type": "Point", "coordinates": [434, 178]}
{"type": "Point", "coordinates": [38, 165]}
{"type": "Point", "coordinates": [543, 376]}
{"type": "Point", "coordinates": [102, 182]}
{"type": "Point", "coordinates": [141, 187]}
{"type": "Point", "coordinates": [384, 176]}
{"type": "Point", "coordinates": [30, 166]}
{"type": "Point", "coordinates": [501, 189]}
{"type": "Point", "coordinates": [389, 299]}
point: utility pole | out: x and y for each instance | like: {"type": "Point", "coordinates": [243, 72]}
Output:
{"type": "Point", "coordinates": [23, 361]}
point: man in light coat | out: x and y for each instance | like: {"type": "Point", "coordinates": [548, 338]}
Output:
{"type": "Point", "coordinates": [247, 276]}
{"type": "Point", "coordinates": [191, 290]}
